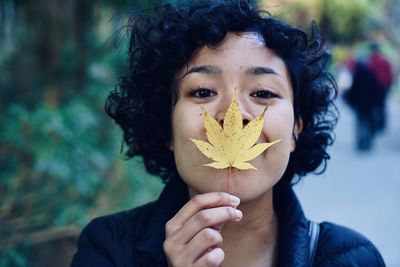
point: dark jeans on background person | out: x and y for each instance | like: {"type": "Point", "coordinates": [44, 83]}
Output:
{"type": "Point", "coordinates": [364, 130]}
{"type": "Point", "coordinates": [379, 118]}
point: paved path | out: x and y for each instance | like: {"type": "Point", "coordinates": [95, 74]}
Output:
{"type": "Point", "coordinates": [361, 191]}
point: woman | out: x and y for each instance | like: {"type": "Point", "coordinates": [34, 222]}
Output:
{"type": "Point", "coordinates": [188, 58]}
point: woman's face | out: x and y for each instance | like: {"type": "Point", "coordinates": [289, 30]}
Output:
{"type": "Point", "coordinates": [260, 77]}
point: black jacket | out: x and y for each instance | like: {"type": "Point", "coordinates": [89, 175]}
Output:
{"type": "Point", "coordinates": [364, 93]}
{"type": "Point", "coordinates": [134, 238]}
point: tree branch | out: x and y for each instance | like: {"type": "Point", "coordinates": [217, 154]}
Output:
{"type": "Point", "coordinates": [42, 236]}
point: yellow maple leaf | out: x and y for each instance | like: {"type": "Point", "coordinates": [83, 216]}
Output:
{"type": "Point", "coordinates": [232, 145]}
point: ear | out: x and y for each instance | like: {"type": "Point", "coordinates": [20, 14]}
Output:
{"type": "Point", "coordinates": [171, 146]}
{"type": "Point", "coordinates": [297, 128]}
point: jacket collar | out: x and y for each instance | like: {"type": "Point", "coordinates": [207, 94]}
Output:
{"type": "Point", "coordinates": [293, 248]}
{"type": "Point", "coordinates": [293, 226]}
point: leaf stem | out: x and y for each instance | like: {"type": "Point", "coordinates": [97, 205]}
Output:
{"type": "Point", "coordinates": [228, 178]}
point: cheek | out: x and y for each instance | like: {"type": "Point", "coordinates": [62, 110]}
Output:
{"type": "Point", "coordinates": [186, 123]}
{"type": "Point", "coordinates": [279, 125]}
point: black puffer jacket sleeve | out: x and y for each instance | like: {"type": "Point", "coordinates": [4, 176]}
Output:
{"type": "Point", "coordinates": [341, 246]}
{"type": "Point", "coordinates": [109, 240]}
{"type": "Point", "coordinates": [94, 248]}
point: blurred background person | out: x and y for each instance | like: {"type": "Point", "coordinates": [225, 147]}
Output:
{"type": "Point", "coordinates": [363, 100]}
{"type": "Point", "coordinates": [383, 74]}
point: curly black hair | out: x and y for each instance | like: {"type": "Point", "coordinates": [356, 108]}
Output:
{"type": "Point", "coordinates": [162, 41]}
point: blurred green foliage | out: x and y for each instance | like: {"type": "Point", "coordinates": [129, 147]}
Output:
{"type": "Point", "coordinates": [343, 19]}
{"type": "Point", "coordinates": [60, 156]}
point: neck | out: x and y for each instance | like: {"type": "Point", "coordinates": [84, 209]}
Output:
{"type": "Point", "coordinates": [253, 239]}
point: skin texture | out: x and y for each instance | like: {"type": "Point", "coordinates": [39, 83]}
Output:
{"type": "Point", "coordinates": [206, 230]}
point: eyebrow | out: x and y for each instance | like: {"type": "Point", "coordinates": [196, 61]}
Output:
{"type": "Point", "coordinates": [260, 71]}
{"type": "Point", "coordinates": [215, 70]}
{"type": "Point", "coordinates": [206, 69]}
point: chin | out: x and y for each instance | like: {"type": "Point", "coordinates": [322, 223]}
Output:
{"type": "Point", "coordinates": [249, 193]}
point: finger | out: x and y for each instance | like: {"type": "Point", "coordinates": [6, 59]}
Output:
{"type": "Point", "coordinates": [212, 258]}
{"type": "Point", "coordinates": [205, 240]}
{"type": "Point", "coordinates": [197, 203]}
{"type": "Point", "coordinates": [206, 218]}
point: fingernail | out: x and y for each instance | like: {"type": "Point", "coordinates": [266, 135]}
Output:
{"type": "Point", "coordinates": [235, 200]}
{"type": "Point", "coordinates": [239, 214]}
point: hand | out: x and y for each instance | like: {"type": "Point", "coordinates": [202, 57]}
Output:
{"type": "Point", "coordinates": [192, 235]}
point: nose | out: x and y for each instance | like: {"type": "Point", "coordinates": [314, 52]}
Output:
{"type": "Point", "coordinates": [246, 116]}
{"type": "Point", "coordinates": [245, 122]}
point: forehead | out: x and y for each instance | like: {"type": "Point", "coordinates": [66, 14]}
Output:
{"type": "Point", "coordinates": [236, 53]}
{"type": "Point", "coordinates": [242, 40]}
{"type": "Point", "coordinates": [244, 48]}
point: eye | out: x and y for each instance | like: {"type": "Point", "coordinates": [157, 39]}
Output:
{"type": "Point", "coordinates": [264, 94]}
{"type": "Point", "coordinates": [202, 93]}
